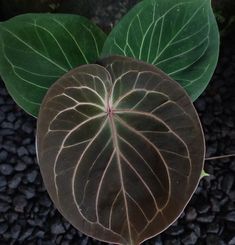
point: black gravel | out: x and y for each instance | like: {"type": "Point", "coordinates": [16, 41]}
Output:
{"type": "Point", "coordinates": [27, 215]}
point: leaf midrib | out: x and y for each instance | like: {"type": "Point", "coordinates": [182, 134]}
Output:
{"type": "Point", "coordinates": [117, 150]}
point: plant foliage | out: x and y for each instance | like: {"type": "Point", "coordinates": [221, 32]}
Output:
{"type": "Point", "coordinates": [37, 49]}
{"type": "Point", "coordinates": [119, 143]}
{"type": "Point", "coordinates": [120, 148]}
{"type": "Point", "coordinates": [179, 37]}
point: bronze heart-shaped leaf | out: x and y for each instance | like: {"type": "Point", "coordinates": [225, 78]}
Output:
{"type": "Point", "coordinates": [120, 148]}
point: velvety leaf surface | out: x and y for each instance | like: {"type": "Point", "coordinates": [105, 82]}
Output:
{"type": "Point", "coordinates": [37, 49]}
{"type": "Point", "coordinates": [120, 148]}
{"type": "Point", "coordinates": [179, 37]}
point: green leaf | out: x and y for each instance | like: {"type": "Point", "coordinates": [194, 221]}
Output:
{"type": "Point", "coordinates": [37, 49]}
{"type": "Point", "coordinates": [120, 148]}
{"type": "Point", "coordinates": [179, 37]}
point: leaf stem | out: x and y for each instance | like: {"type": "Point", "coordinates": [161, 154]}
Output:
{"type": "Point", "coordinates": [219, 157]}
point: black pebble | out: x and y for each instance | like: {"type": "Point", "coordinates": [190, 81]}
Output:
{"type": "Point", "coordinates": [26, 234]}
{"type": "Point", "coordinates": [27, 128]}
{"type": "Point", "coordinates": [17, 124]}
{"type": "Point", "coordinates": [12, 217]}
{"type": "Point", "coordinates": [57, 228]}
{"type": "Point", "coordinates": [232, 241]}
{"type": "Point", "coordinates": [19, 203]}
{"type": "Point", "coordinates": [7, 125]}
{"type": "Point", "coordinates": [214, 240]}
{"type": "Point", "coordinates": [3, 155]}
{"type": "Point", "coordinates": [6, 169]}
{"type": "Point", "coordinates": [10, 147]}
{"type": "Point", "coordinates": [20, 166]}
{"type": "Point", "coordinates": [201, 105]}
{"type": "Point", "coordinates": [205, 218]}
{"type": "Point", "coordinates": [215, 205]}
{"type": "Point", "coordinates": [191, 214]}
{"type": "Point", "coordinates": [6, 132]}
{"type": "Point", "coordinates": [228, 182]}
{"type": "Point", "coordinates": [45, 201]}
{"type": "Point", "coordinates": [15, 231]}
{"type": "Point", "coordinates": [3, 228]}
{"type": "Point", "coordinates": [175, 230]}
{"type": "Point", "coordinates": [40, 234]}
{"type": "Point", "coordinates": [28, 191]}
{"type": "Point", "coordinates": [15, 181]}
{"type": "Point", "coordinates": [28, 160]}
{"type": "Point", "coordinates": [2, 116]}
{"type": "Point", "coordinates": [21, 151]}
{"type": "Point", "coordinates": [230, 216]}
{"type": "Point", "coordinates": [31, 149]}
{"type": "Point", "coordinates": [203, 208]}
{"type": "Point", "coordinates": [190, 239]}
{"type": "Point", "coordinates": [4, 206]}
{"type": "Point", "coordinates": [11, 117]}
{"type": "Point", "coordinates": [213, 228]}
{"type": "Point", "coordinates": [232, 165]}
{"type": "Point", "coordinates": [31, 177]}
{"type": "Point", "coordinates": [3, 181]}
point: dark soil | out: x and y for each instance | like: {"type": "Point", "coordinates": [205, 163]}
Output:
{"type": "Point", "coordinates": [27, 215]}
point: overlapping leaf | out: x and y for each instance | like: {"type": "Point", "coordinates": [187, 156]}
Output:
{"type": "Point", "coordinates": [120, 148]}
{"type": "Point", "coordinates": [179, 37]}
{"type": "Point", "coordinates": [37, 49]}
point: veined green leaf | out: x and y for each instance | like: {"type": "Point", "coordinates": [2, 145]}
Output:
{"type": "Point", "coordinates": [37, 49]}
{"type": "Point", "coordinates": [120, 149]}
{"type": "Point", "coordinates": [179, 37]}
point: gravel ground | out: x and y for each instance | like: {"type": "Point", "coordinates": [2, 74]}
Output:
{"type": "Point", "coordinates": [27, 215]}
